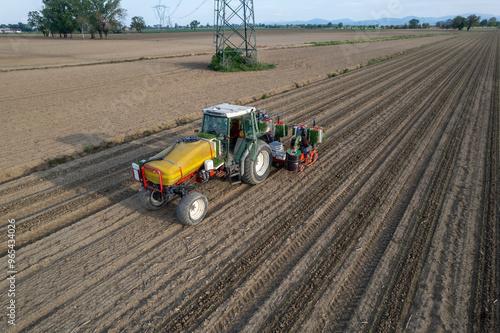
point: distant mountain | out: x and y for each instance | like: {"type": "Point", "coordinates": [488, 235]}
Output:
{"type": "Point", "coordinates": [382, 21]}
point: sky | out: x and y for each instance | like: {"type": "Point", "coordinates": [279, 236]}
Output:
{"type": "Point", "coordinates": [185, 11]}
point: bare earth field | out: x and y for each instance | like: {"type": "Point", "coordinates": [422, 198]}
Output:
{"type": "Point", "coordinates": [59, 111]}
{"type": "Point", "coordinates": [34, 51]}
{"type": "Point", "coordinates": [395, 228]}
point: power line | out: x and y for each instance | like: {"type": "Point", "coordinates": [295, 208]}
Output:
{"type": "Point", "coordinates": [176, 7]}
{"type": "Point", "coordinates": [202, 3]}
{"type": "Point", "coordinates": [159, 10]}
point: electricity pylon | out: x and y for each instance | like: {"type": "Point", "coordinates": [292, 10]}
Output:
{"type": "Point", "coordinates": [159, 10]}
{"type": "Point", "coordinates": [235, 30]}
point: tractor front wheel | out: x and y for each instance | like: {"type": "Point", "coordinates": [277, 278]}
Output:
{"type": "Point", "coordinates": [152, 200]}
{"type": "Point", "coordinates": [192, 208]}
{"type": "Point", "coordinates": [258, 170]}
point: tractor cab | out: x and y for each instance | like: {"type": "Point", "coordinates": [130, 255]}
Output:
{"type": "Point", "coordinates": [234, 126]}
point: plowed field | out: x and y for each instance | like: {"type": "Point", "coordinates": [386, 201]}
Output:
{"type": "Point", "coordinates": [395, 228]}
{"type": "Point", "coordinates": [56, 112]}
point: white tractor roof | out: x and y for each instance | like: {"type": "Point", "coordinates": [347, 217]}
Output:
{"type": "Point", "coordinates": [228, 110]}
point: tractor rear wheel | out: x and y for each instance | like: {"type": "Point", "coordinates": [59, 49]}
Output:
{"type": "Point", "coordinates": [258, 170]}
{"type": "Point", "coordinates": [192, 208]}
{"type": "Point", "coordinates": [152, 200]}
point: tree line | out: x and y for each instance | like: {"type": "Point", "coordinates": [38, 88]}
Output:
{"type": "Point", "coordinates": [460, 22]}
{"type": "Point", "coordinates": [63, 17]}
{"type": "Point", "coordinates": [21, 26]}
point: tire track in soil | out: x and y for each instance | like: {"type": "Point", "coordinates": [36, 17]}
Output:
{"type": "Point", "coordinates": [129, 271]}
{"type": "Point", "coordinates": [17, 187]}
{"type": "Point", "coordinates": [302, 101]}
{"type": "Point", "coordinates": [91, 193]}
{"type": "Point", "coordinates": [341, 311]}
{"type": "Point", "coordinates": [289, 316]}
{"type": "Point", "coordinates": [89, 183]}
{"type": "Point", "coordinates": [361, 80]}
{"type": "Point", "coordinates": [204, 304]}
{"type": "Point", "coordinates": [259, 288]}
{"type": "Point", "coordinates": [485, 308]}
{"type": "Point", "coordinates": [69, 254]}
{"type": "Point", "coordinates": [100, 161]}
{"type": "Point", "coordinates": [51, 199]}
{"type": "Point", "coordinates": [396, 299]}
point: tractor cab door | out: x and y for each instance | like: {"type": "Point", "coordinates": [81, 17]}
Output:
{"type": "Point", "coordinates": [250, 131]}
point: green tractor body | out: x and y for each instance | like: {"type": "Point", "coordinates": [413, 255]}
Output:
{"type": "Point", "coordinates": [227, 146]}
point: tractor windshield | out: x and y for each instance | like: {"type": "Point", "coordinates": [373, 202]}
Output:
{"type": "Point", "coordinates": [215, 125]}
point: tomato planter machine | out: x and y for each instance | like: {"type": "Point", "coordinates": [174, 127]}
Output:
{"type": "Point", "coordinates": [238, 143]}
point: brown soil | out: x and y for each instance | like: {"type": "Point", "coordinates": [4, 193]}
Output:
{"type": "Point", "coordinates": [34, 51]}
{"type": "Point", "coordinates": [59, 111]}
{"type": "Point", "coordinates": [395, 228]}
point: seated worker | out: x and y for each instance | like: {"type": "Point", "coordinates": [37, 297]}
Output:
{"type": "Point", "coordinates": [234, 132]}
{"type": "Point", "coordinates": [234, 129]}
{"type": "Point", "coordinates": [305, 147]}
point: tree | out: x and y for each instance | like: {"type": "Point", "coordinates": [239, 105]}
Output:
{"type": "Point", "coordinates": [105, 15]}
{"type": "Point", "coordinates": [138, 23]}
{"type": "Point", "coordinates": [492, 22]}
{"type": "Point", "coordinates": [458, 22]}
{"type": "Point", "coordinates": [414, 23]}
{"type": "Point", "coordinates": [448, 23]}
{"type": "Point", "coordinates": [194, 24]}
{"type": "Point", "coordinates": [341, 25]}
{"type": "Point", "coordinates": [60, 16]}
{"type": "Point", "coordinates": [82, 13]}
{"type": "Point", "coordinates": [425, 25]}
{"type": "Point", "coordinates": [37, 22]}
{"type": "Point", "coordinates": [473, 21]}
{"type": "Point", "coordinates": [483, 23]}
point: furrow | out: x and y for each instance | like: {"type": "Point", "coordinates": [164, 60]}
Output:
{"type": "Point", "coordinates": [485, 309]}
{"type": "Point", "coordinates": [393, 313]}
{"type": "Point", "coordinates": [318, 277]}
{"type": "Point", "coordinates": [262, 250]}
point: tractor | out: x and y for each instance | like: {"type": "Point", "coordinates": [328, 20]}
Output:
{"type": "Point", "coordinates": [236, 143]}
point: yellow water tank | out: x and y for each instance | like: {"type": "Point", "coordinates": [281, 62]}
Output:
{"type": "Point", "coordinates": [185, 158]}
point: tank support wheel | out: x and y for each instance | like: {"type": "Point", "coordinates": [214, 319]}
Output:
{"type": "Point", "coordinates": [152, 200]}
{"type": "Point", "coordinates": [192, 208]}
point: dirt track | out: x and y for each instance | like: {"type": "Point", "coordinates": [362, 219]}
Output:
{"type": "Point", "coordinates": [396, 227]}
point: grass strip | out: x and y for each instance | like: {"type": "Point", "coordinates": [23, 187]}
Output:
{"type": "Point", "coordinates": [370, 40]}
